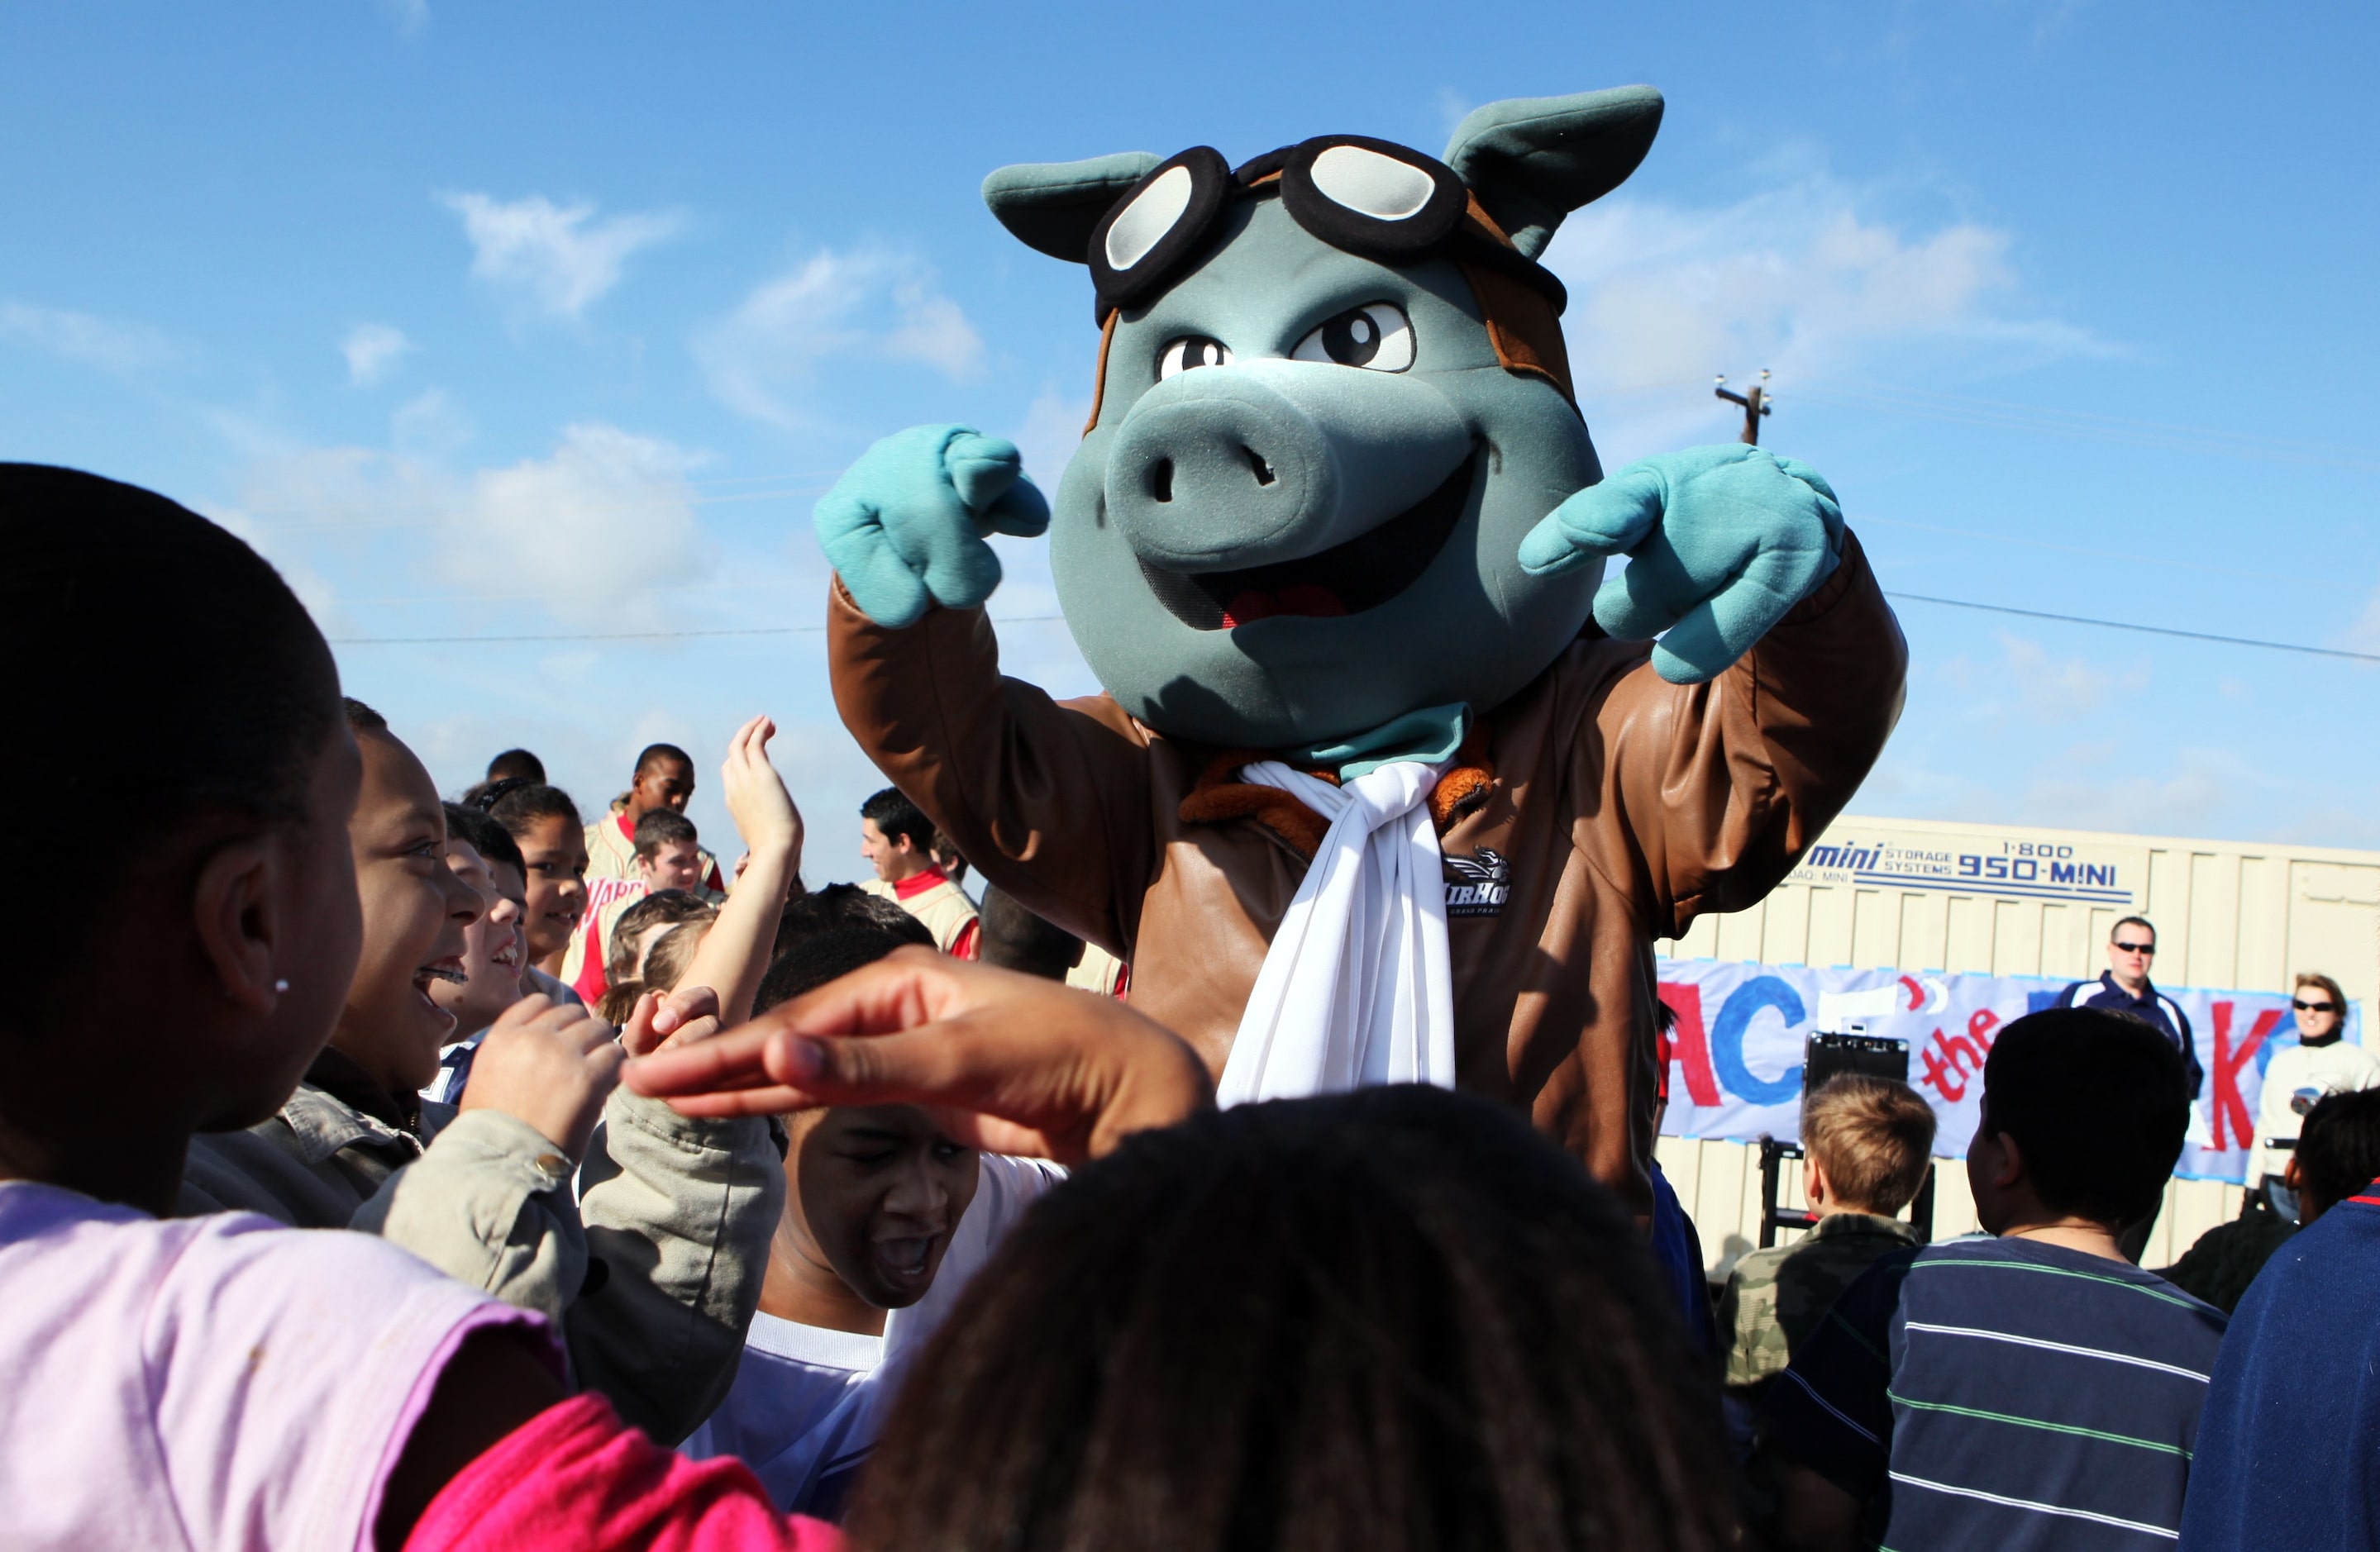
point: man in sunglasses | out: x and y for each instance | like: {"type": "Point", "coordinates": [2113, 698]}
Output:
{"type": "Point", "coordinates": [2124, 987]}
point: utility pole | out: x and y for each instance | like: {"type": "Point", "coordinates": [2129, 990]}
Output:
{"type": "Point", "coordinates": [1755, 405]}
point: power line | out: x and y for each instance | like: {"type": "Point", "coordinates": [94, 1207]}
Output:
{"type": "Point", "coordinates": [2144, 630]}
{"type": "Point", "coordinates": [2002, 415]}
{"type": "Point", "coordinates": [2129, 557]}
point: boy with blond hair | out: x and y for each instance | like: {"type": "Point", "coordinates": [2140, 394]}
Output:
{"type": "Point", "coordinates": [1867, 1142]}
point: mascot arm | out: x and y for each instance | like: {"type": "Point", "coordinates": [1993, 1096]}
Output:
{"type": "Point", "coordinates": [1722, 543]}
{"type": "Point", "coordinates": [1720, 786]}
{"type": "Point", "coordinates": [906, 525]}
{"type": "Point", "coordinates": [1048, 799]}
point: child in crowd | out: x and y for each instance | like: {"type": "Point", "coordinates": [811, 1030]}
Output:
{"type": "Point", "coordinates": [2034, 1390]}
{"type": "Point", "coordinates": [873, 1198]}
{"type": "Point", "coordinates": [484, 1190]}
{"type": "Point", "coordinates": [669, 964]}
{"type": "Point", "coordinates": [543, 823]}
{"type": "Point", "coordinates": [666, 859]}
{"type": "Point", "coordinates": [495, 948]}
{"type": "Point", "coordinates": [2292, 1422]}
{"type": "Point", "coordinates": [1866, 1142]}
{"type": "Point", "coordinates": [896, 838]}
{"type": "Point", "coordinates": [667, 856]}
{"type": "Point", "coordinates": [631, 941]}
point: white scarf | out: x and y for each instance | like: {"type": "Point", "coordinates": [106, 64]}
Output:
{"type": "Point", "coordinates": [1355, 989]}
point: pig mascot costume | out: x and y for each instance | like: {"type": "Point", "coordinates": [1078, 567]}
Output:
{"type": "Point", "coordinates": [1388, 783]}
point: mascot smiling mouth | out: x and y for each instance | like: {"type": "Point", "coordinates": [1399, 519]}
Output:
{"type": "Point", "coordinates": [1363, 573]}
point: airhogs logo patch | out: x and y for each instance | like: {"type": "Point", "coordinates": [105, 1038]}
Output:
{"type": "Point", "coordinates": [1479, 884]}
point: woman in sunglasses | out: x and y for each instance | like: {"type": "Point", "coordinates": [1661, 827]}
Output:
{"type": "Point", "coordinates": [2299, 1077]}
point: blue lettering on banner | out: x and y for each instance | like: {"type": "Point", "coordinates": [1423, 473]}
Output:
{"type": "Point", "coordinates": [1727, 1040]}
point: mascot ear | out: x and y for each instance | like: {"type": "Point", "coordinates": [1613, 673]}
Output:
{"type": "Point", "coordinates": [1533, 160]}
{"type": "Point", "coordinates": [1054, 206]}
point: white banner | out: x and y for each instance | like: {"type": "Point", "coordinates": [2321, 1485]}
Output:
{"type": "Point", "coordinates": [1735, 1054]}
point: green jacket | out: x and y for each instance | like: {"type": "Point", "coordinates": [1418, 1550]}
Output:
{"type": "Point", "coordinates": [1776, 1297]}
{"type": "Point", "coordinates": [651, 1276]}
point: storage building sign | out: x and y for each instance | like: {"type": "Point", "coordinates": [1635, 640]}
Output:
{"type": "Point", "coordinates": [2017, 869]}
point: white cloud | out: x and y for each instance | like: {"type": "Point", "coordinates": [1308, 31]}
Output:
{"type": "Point", "coordinates": [430, 425]}
{"type": "Point", "coordinates": [559, 257]}
{"type": "Point", "coordinates": [870, 304]}
{"type": "Point", "coordinates": [1797, 277]}
{"type": "Point", "coordinates": [371, 349]}
{"type": "Point", "coordinates": [600, 535]}
{"type": "Point", "coordinates": [609, 513]}
{"type": "Point", "coordinates": [412, 17]}
{"type": "Point", "coordinates": [108, 343]}
{"type": "Point", "coordinates": [2031, 687]}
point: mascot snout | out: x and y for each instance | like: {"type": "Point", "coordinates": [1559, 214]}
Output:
{"type": "Point", "coordinates": [1222, 467]}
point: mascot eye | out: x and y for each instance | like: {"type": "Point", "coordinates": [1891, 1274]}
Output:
{"type": "Point", "coordinates": [1191, 350]}
{"type": "Point", "coordinates": [1378, 337]}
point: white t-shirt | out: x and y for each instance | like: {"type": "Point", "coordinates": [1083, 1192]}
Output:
{"type": "Point", "coordinates": [2303, 1072]}
{"type": "Point", "coordinates": [808, 1403]}
{"type": "Point", "coordinates": [211, 1384]}
{"type": "Point", "coordinates": [797, 1393]}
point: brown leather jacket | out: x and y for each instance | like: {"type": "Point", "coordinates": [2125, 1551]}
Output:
{"type": "Point", "coordinates": [1620, 805]}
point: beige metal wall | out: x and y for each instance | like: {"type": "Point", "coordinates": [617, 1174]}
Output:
{"type": "Point", "coordinates": [1919, 895]}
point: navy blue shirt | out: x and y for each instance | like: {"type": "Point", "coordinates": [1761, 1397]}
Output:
{"type": "Point", "coordinates": [2154, 1006]}
{"type": "Point", "coordinates": [2289, 1452]}
{"type": "Point", "coordinates": [2004, 1394]}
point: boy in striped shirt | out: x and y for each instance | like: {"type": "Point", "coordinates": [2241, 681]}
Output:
{"type": "Point", "coordinates": [2031, 1390]}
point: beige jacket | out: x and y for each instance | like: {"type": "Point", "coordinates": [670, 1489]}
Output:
{"type": "Point", "coordinates": [941, 906]}
{"type": "Point", "coordinates": [652, 1276]}
{"type": "Point", "coordinates": [1599, 809]}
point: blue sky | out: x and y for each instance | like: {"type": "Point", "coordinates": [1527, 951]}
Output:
{"type": "Point", "coordinates": [535, 319]}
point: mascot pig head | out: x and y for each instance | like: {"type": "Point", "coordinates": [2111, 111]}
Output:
{"type": "Point", "coordinates": [1332, 401]}
{"type": "Point", "coordinates": [1336, 490]}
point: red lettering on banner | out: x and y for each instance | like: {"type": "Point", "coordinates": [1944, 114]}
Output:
{"type": "Point", "coordinates": [2229, 1103]}
{"type": "Point", "coordinates": [1940, 1076]}
{"type": "Point", "coordinates": [1950, 1059]}
{"type": "Point", "coordinates": [1980, 1024]}
{"type": "Point", "coordinates": [1689, 1043]}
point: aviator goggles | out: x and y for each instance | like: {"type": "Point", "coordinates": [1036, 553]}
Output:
{"type": "Point", "coordinates": [1373, 199]}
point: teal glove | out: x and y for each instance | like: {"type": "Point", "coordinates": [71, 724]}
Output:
{"type": "Point", "coordinates": [1720, 542]}
{"type": "Point", "coordinates": [905, 527]}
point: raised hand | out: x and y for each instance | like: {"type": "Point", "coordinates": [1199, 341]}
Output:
{"type": "Point", "coordinates": [1721, 542]}
{"type": "Point", "coordinates": [735, 953]}
{"type": "Point", "coordinates": [1006, 1062]}
{"type": "Point", "coordinates": [756, 799]}
{"type": "Point", "coordinates": [550, 1064]}
{"type": "Point", "coordinates": [906, 524]}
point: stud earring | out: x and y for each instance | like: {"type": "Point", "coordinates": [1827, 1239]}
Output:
{"type": "Point", "coordinates": [281, 986]}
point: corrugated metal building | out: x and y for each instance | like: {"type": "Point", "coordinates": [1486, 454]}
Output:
{"type": "Point", "coordinates": [1919, 895]}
